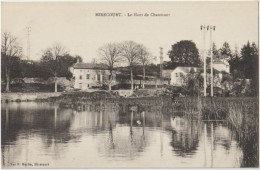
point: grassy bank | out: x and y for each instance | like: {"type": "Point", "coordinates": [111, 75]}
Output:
{"type": "Point", "coordinates": [32, 88]}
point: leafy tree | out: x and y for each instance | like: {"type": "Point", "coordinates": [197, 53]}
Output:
{"type": "Point", "coordinates": [215, 51]}
{"type": "Point", "coordinates": [249, 55]}
{"type": "Point", "coordinates": [11, 52]}
{"type": "Point", "coordinates": [253, 89]}
{"type": "Point", "coordinates": [34, 69]}
{"type": "Point", "coordinates": [78, 58]}
{"type": "Point", "coordinates": [235, 63]}
{"type": "Point", "coordinates": [225, 50]}
{"type": "Point", "coordinates": [63, 64]}
{"type": "Point", "coordinates": [193, 83]}
{"type": "Point", "coordinates": [184, 53]}
{"type": "Point", "coordinates": [168, 65]}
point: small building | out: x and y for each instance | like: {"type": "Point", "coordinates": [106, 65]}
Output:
{"type": "Point", "coordinates": [166, 74]}
{"type": "Point", "coordinates": [89, 75]}
{"type": "Point", "coordinates": [221, 65]}
{"type": "Point", "coordinates": [179, 73]}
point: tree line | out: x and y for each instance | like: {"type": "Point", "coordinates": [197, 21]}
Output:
{"type": "Point", "coordinates": [127, 53]}
{"type": "Point", "coordinates": [55, 62]}
{"type": "Point", "coordinates": [243, 63]}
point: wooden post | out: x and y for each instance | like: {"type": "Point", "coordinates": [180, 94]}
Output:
{"type": "Point", "coordinates": [56, 89]}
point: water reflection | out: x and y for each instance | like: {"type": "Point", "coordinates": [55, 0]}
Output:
{"type": "Point", "coordinates": [185, 136]}
{"type": "Point", "coordinates": [112, 135]}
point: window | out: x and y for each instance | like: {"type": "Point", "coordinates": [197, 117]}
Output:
{"type": "Point", "coordinates": [80, 77]}
{"type": "Point", "coordinates": [176, 74]}
{"type": "Point", "coordinates": [98, 77]}
{"type": "Point", "coordinates": [87, 76]}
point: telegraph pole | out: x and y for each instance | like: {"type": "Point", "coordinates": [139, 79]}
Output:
{"type": "Point", "coordinates": [28, 42]}
{"type": "Point", "coordinates": [161, 63]}
{"type": "Point", "coordinates": [203, 27]}
{"type": "Point", "coordinates": [211, 28]}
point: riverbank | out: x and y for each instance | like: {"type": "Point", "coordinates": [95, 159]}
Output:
{"type": "Point", "coordinates": [75, 96]}
{"type": "Point", "coordinates": [22, 97]}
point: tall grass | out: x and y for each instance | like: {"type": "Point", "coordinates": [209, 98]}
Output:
{"type": "Point", "coordinates": [244, 117]}
{"type": "Point", "coordinates": [236, 115]}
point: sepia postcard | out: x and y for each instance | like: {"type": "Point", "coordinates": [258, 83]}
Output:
{"type": "Point", "coordinates": [129, 84]}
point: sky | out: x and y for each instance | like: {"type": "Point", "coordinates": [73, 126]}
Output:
{"type": "Point", "coordinates": [76, 26]}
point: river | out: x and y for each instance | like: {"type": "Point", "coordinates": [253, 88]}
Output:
{"type": "Point", "coordinates": [44, 135]}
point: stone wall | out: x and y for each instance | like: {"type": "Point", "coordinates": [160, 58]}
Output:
{"type": "Point", "coordinates": [26, 96]}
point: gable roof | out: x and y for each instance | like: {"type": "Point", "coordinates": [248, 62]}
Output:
{"type": "Point", "coordinates": [220, 61]}
{"type": "Point", "coordinates": [90, 66]}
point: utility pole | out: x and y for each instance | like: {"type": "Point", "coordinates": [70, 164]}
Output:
{"type": "Point", "coordinates": [28, 42]}
{"type": "Point", "coordinates": [161, 63]}
{"type": "Point", "coordinates": [203, 27]}
{"type": "Point", "coordinates": [211, 28]}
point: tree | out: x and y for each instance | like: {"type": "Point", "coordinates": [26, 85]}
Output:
{"type": "Point", "coordinates": [50, 59]}
{"type": "Point", "coordinates": [184, 53]}
{"type": "Point", "coordinates": [11, 51]}
{"type": "Point", "coordinates": [225, 50]}
{"type": "Point", "coordinates": [215, 51]}
{"type": "Point", "coordinates": [78, 58]}
{"type": "Point", "coordinates": [145, 58]}
{"type": "Point", "coordinates": [110, 54]}
{"type": "Point", "coordinates": [131, 53]}
{"type": "Point", "coordinates": [249, 55]}
{"type": "Point", "coordinates": [35, 69]}
{"type": "Point", "coordinates": [193, 83]}
{"type": "Point", "coordinates": [235, 63]}
{"type": "Point", "coordinates": [63, 64]}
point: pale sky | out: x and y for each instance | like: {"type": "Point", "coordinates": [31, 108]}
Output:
{"type": "Point", "coordinates": [75, 25]}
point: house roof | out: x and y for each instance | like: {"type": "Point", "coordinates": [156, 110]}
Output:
{"type": "Point", "coordinates": [220, 61]}
{"type": "Point", "coordinates": [90, 66]}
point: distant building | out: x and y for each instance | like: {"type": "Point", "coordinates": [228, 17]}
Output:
{"type": "Point", "coordinates": [89, 75]}
{"type": "Point", "coordinates": [221, 65]}
{"type": "Point", "coordinates": [179, 73]}
{"type": "Point", "coordinates": [166, 74]}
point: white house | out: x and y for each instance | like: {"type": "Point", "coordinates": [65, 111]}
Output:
{"type": "Point", "coordinates": [221, 65]}
{"type": "Point", "coordinates": [89, 75]}
{"type": "Point", "coordinates": [179, 73]}
{"type": "Point", "coordinates": [166, 74]}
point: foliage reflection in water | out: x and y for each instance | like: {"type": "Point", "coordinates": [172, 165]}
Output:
{"type": "Point", "coordinates": [112, 136]}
